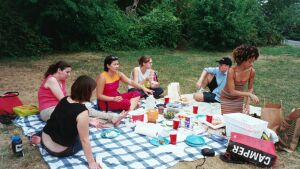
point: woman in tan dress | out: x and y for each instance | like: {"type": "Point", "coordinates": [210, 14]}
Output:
{"type": "Point", "coordinates": [239, 76]}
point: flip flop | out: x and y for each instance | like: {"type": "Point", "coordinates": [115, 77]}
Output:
{"type": "Point", "coordinates": [230, 158]}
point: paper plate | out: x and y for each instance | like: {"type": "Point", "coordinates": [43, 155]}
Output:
{"type": "Point", "coordinates": [193, 145]}
{"type": "Point", "coordinates": [110, 133]}
{"type": "Point", "coordinates": [156, 142]}
{"type": "Point", "coordinates": [195, 140]}
{"type": "Point", "coordinates": [168, 123]}
{"type": "Point", "coordinates": [213, 126]}
{"type": "Point", "coordinates": [219, 139]}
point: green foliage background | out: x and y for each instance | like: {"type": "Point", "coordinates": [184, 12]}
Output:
{"type": "Point", "coordinates": [33, 27]}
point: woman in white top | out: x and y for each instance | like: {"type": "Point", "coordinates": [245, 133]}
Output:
{"type": "Point", "coordinates": [145, 75]}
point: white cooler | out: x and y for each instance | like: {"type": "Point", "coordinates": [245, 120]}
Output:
{"type": "Point", "coordinates": [244, 124]}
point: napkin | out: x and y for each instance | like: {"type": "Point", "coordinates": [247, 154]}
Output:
{"type": "Point", "coordinates": [150, 129]}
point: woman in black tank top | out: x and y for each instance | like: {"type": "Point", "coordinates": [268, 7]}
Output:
{"type": "Point", "coordinates": [67, 130]}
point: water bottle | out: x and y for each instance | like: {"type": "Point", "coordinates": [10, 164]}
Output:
{"type": "Point", "coordinates": [17, 145]}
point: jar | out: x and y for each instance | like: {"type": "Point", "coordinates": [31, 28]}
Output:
{"type": "Point", "coordinates": [152, 115]}
{"type": "Point", "coordinates": [17, 146]}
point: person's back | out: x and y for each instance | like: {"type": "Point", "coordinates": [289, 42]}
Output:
{"type": "Point", "coordinates": [62, 126]}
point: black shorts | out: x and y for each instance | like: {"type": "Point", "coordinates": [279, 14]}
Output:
{"type": "Point", "coordinates": [209, 97]}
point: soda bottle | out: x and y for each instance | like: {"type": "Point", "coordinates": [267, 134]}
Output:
{"type": "Point", "coordinates": [17, 145]}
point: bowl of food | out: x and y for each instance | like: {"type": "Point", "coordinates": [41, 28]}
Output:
{"type": "Point", "coordinates": [169, 115]}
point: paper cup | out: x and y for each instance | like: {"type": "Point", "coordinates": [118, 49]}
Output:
{"type": "Point", "coordinates": [195, 109]}
{"type": "Point", "coordinates": [167, 100]}
{"type": "Point", "coordinates": [176, 123]}
{"type": "Point", "coordinates": [173, 137]}
{"type": "Point", "coordinates": [209, 118]}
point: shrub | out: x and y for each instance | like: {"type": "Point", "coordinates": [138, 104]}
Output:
{"type": "Point", "coordinates": [17, 38]}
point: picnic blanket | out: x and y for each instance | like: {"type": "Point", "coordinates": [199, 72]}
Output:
{"type": "Point", "coordinates": [128, 150]}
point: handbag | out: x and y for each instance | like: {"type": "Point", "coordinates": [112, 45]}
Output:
{"type": "Point", "coordinates": [289, 131]}
{"type": "Point", "coordinates": [260, 152]}
{"type": "Point", "coordinates": [8, 101]}
{"type": "Point", "coordinates": [272, 113]}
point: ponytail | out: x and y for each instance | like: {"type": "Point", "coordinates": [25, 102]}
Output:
{"type": "Point", "coordinates": [54, 67]}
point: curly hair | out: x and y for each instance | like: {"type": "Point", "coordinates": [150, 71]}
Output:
{"type": "Point", "coordinates": [244, 52]}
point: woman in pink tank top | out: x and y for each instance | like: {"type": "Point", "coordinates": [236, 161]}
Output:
{"type": "Point", "coordinates": [239, 76]}
{"type": "Point", "coordinates": [53, 88]}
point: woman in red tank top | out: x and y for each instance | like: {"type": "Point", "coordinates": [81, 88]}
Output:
{"type": "Point", "coordinates": [108, 81]}
{"type": "Point", "coordinates": [239, 76]}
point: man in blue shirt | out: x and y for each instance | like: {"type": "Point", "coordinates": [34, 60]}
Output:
{"type": "Point", "coordinates": [215, 79]}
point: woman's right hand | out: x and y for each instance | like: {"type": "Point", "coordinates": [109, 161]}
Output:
{"type": "Point", "coordinates": [94, 165]}
{"type": "Point", "coordinates": [117, 98]}
{"type": "Point", "coordinates": [254, 98]}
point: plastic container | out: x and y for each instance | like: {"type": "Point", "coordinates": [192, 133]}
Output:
{"type": "Point", "coordinates": [152, 115]}
{"type": "Point", "coordinates": [138, 117]}
{"type": "Point", "coordinates": [25, 110]}
{"type": "Point", "coordinates": [17, 146]}
{"type": "Point", "coordinates": [244, 124]}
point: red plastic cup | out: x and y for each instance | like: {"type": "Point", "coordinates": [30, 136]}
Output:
{"type": "Point", "coordinates": [139, 117]}
{"type": "Point", "coordinates": [176, 123]}
{"type": "Point", "coordinates": [209, 118]}
{"type": "Point", "coordinates": [167, 99]}
{"type": "Point", "coordinates": [173, 137]}
{"type": "Point", "coordinates": [195, 109]}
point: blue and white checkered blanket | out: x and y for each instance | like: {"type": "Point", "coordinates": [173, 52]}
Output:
{"type": "Point", "coordinates": [128, 150]}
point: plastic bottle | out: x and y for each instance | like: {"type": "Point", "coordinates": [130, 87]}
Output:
{"type": "Point", "coordinates": [17, 146]}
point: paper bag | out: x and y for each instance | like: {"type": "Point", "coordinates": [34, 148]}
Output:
{"type": "Point", "coordinates": [260, 152]}
{"type": "Point", "coordinates": [272, 113]}
{"type": "Point", "coordinates": [174, 91]}
{"type": "Point", "coordinates": [289, 131]}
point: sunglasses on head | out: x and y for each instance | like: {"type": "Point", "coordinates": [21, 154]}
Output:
{"type": "Point", "coordinates": [114, 57]}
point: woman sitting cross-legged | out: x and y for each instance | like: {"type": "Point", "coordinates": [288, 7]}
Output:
{"type": "Point", "coordinates": [146, 76]}
{"type": "Point", "coordinates": [67, 130]}
{"type": "Point", "coordinates": [109, 99]}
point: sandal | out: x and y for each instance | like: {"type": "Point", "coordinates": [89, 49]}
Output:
{"type": "Point", "coordinates": [230, 158]}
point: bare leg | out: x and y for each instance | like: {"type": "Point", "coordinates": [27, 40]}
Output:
{"type": "Point", "coordinates": [208, 78]}
{"type": "Point", "coordinates": [134, 103]}
{"type": "Point", "coordinates": [199, 96]}
{"type": "Point", "coordinates": [116, 121]}
{"type": "Point", "coordinates": [102, 115]}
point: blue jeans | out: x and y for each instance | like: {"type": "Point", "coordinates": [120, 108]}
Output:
{"type": "Point", "coordinates": [68, 152]}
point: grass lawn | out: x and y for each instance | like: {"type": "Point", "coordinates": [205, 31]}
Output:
{"type": "Point", "coordinates": [277, 79]}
